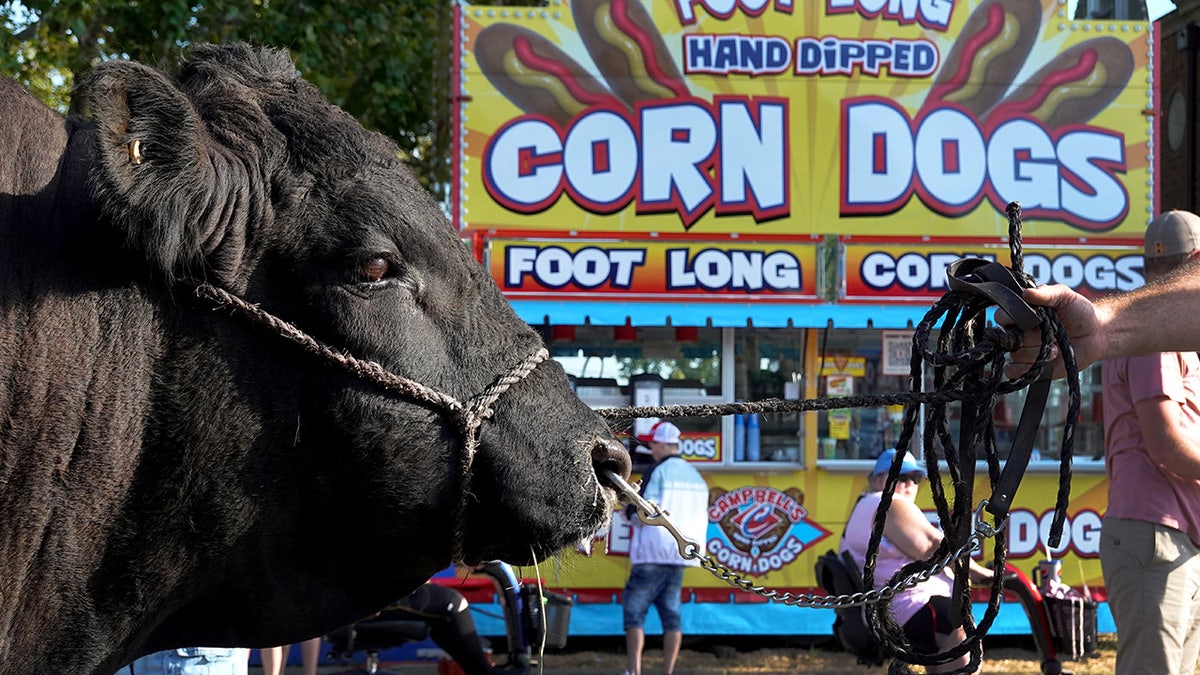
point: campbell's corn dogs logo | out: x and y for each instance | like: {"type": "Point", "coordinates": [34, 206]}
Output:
{"type": "Point", "coordinates": [642, 137]}
{"type": "Point", "coordinates": [761, 528]}
{"type": "Point", "coordinates": [978, 136]}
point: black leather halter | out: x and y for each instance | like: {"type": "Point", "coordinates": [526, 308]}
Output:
{"type": "Point", "coordinates": [999, 286]}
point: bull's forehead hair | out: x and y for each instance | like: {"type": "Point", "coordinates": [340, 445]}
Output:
{"type": "Point", "coordinates": [321, 137]}
{"type": "Point", "coordinates": [255, 68]}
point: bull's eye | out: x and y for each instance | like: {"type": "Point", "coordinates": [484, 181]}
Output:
{"type": "Point", "coordinates": [375, 269]}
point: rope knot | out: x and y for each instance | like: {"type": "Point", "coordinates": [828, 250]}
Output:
{"type": "Point", "coordinates": [1006, 339]}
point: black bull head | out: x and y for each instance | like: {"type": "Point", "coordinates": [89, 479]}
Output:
{"type": "Point", "coordinates": [174, 475]}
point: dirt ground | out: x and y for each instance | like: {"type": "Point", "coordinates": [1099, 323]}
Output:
{"type": "Point", "coordinates": [1014, 655]}
{"type": "Point", "coordinates": [1001, 655]}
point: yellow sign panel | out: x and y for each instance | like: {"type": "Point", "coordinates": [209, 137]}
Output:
{"type": "Point", "coordinates": [777, 117]}
{"type": "Point", "coordinates": [916, 272]}
{"type": "Point", "coordinates": [839, 424]}
{"type": "Point", "coordinates": [591, 269]}
{"type": "Point", "coordinates": [772, 526]}
{"type": "Point", "coordinates": [841, 364]}
{"type": "Point", "coordinates": [702, 448]}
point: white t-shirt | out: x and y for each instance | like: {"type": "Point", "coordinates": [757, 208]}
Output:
{"type": "Point", "coordinates": [677, 487]}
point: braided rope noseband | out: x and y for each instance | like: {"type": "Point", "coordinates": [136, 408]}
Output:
{"type": "Point", "coordinates": [467, 417]}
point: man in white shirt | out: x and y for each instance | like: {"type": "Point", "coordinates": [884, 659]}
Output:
{"type": "Point", "coordinates": [656, 574]}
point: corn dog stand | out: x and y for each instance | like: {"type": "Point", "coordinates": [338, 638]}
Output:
{"type": "Point", "coordinates": [698, 205]}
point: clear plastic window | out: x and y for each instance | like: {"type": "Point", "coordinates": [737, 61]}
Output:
{"type": "Point", "coordinates": [856, 362]}
{"type": "Point", "coordinates": [768, 364]}
{"type": "Point", "coordinates": [647, 366]}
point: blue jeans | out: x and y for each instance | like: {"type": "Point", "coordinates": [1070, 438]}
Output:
{"type": "Point", "coordinates": [659, 585]}
{"type": "Point", "coordinates": [191, 661]}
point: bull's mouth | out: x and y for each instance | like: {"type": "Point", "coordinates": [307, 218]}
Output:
{"type": "Point", "coordinates": [545, 525]}
{"type": "Point", "coordinates": [612, 466]}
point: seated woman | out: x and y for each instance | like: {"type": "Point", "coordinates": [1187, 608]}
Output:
{"type": "Point", "coordinates": [924, 610]}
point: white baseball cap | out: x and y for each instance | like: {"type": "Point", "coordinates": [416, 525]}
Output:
{"type": "Point", "coordinates": [665, 432]}
{"type": "Point", "coordinates": [647, 423]}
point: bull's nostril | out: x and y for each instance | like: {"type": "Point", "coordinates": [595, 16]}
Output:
{"type": "Point", "coordinates": [609, 455]}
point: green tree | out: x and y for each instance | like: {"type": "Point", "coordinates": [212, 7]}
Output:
{"type": "Point", "coordinates": [705, 370]}
{"type": "Point", "coordinates": [386, 62]}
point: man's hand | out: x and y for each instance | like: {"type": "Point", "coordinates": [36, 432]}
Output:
{"type": "Point", "coordinates": [1081, 319]}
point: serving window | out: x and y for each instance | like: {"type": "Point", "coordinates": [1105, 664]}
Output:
{"type": "Point", "coordinates": [661, 365]}
{"type": "Point", "coordinates": [623, 365]}
{"type": "Point", "coordinates": [647, 366]}
{"type": "Point", "coordinates": [768, 363]}
{"type": "Point", "coordinates": [864, 362]}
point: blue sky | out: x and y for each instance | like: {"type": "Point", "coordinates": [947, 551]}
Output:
{"type": "Point", "coordinates": [1159, 7]}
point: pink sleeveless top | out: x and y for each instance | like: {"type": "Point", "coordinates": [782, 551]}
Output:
{"type": "Point", "coordinates": [889, 561]}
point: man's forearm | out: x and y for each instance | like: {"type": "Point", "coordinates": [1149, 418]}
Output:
{"type": "Point", "coordinates": [1159, 317]}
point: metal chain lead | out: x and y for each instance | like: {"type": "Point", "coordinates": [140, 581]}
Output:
{"type": "Point", "coordinates": [651, 514]}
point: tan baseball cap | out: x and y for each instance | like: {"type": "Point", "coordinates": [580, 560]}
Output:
{"type": "Point", "coordinates": [1172, 233]}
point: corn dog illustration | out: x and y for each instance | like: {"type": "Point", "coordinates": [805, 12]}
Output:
{"type": "Point", "coordinates": [1075, 86]}
{"type": "Point", "coordinates": [985, 59]}
{"type": "Point", "coordinates": [536, 75]}
{"type": "Point", "coordinates": [628, 50]}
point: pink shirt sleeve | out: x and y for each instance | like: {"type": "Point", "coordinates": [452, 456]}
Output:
{"type": "Point", "coordinates": [1155, 375]}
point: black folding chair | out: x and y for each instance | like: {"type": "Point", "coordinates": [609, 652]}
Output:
{"type": "Point", "coordinates": [839, 575]}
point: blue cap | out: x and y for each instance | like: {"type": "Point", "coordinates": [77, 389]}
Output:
{"type": "Point", "coordinates": [884, 463]}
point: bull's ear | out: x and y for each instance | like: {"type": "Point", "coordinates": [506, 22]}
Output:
{"type": "Point", "coordinates": [152, 176]}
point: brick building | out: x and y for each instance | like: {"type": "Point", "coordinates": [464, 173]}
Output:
{"type": "Point", "coordinates": [1179, 33]}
